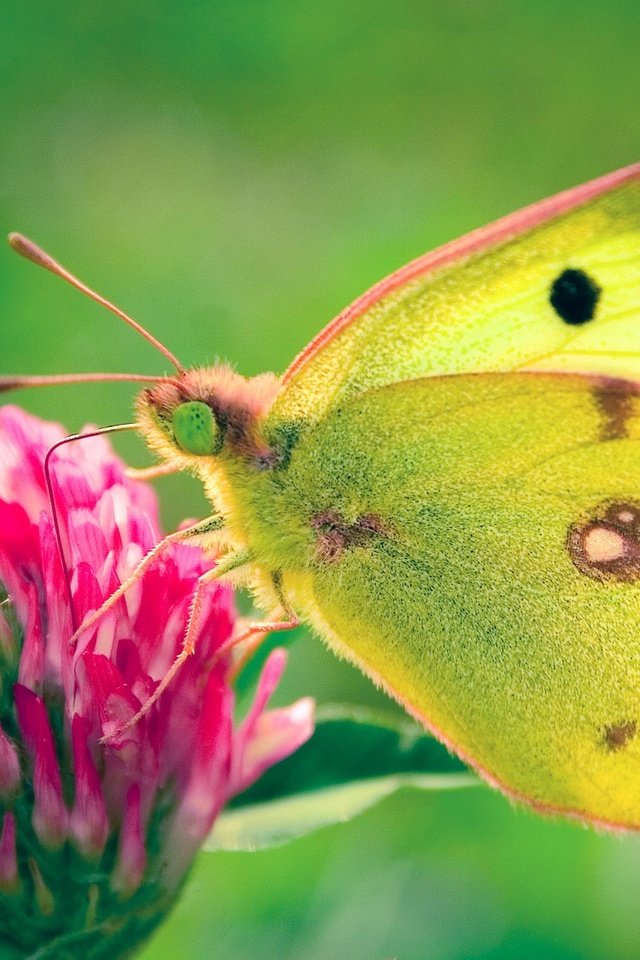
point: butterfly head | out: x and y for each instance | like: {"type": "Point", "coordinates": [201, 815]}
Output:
{"type": "Point", "coordinates": [206, 412]}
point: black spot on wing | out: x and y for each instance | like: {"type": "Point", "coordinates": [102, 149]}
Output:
{"type": "Point", "coordinates": [574, 296]}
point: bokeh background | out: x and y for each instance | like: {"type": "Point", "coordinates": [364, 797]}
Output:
{"type": "Point", "coordinates": [233, 173]}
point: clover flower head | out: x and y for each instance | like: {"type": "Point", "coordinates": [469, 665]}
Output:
{"type": "Point", "coordinates": [96, 837]}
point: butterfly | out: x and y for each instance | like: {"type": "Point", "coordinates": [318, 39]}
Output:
{"type": "Point", "coordinates": [445, 485]}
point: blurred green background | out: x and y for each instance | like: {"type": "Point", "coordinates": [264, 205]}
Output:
{"type": "Point", "coordinates": [233, 173]}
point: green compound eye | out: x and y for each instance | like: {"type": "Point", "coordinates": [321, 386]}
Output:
{"type": "Point", "coordinates": [195, 429]}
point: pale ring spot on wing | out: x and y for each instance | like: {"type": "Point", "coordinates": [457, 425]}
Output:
{"type": "Point", "coordinates": [607, 546]}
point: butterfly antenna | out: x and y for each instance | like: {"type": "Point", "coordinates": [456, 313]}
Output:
{"type": "Point", "coordinates": [31, 251]}
{"type": "Point", "coordinates": [18, 381]}
{"type": "Point", "coordinates": [116, 428]}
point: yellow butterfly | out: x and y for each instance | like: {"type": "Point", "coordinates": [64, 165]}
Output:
{"type": "Point", "coordinates": [445, 485]}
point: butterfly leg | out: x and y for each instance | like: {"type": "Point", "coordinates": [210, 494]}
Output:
{"type": "Point", "coordinates": [202, 528]}
{"type": "Point", "coordinates": [245, 642]}
{"type": "Point", "coordinates": [226, 565]}
{"type": "Point", "coordinates": [248, 640]}
{"type": "Point", "coordinates": [153, 472]}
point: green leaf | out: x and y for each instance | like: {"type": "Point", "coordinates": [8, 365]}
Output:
{"type": "Point", "coordinates": [354, 759]}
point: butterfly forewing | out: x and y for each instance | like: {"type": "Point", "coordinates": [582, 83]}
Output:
{"type": "Point", "coordinates": [555, 287]}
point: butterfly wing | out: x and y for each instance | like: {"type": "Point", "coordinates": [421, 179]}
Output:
{"type": "Point", "coordinates": [553, 287]}
{"type": "Point", "coordinates": [473, 543]}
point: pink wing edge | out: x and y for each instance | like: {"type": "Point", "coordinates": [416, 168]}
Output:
{"type": "Point", "coordinates": [500, 230]}
{"type": "Point", "coordinates": [534, 803]}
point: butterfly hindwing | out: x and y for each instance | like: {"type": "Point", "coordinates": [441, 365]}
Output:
{"type": "Point", "coordinates": [473, 542]}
